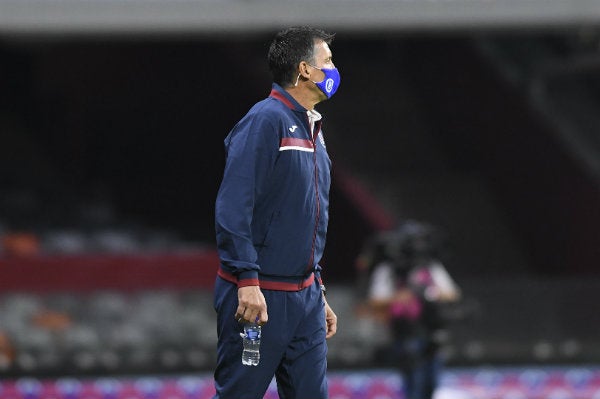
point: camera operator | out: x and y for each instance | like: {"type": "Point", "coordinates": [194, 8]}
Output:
{"type": "Point", "coordinates": [407, 285]}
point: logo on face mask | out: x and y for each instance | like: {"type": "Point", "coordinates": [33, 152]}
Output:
{"type": "Point", "coordinates": [329, 85]}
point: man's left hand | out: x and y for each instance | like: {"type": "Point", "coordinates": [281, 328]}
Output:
{"type": "Point", "coordinates": [330, 321]}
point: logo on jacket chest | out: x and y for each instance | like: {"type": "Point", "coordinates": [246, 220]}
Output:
{"type": "Point", "coordinates": [322, 139]}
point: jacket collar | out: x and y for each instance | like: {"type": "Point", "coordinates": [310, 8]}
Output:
{"type": "Point", "coordinates": [280, 94]}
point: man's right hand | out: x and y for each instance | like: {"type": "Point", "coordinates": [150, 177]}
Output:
{"type": "Point", "coordinates": [252, 306]}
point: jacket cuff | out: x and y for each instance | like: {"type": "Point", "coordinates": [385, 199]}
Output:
{"type": "Point", "coordinates": [248, 278]}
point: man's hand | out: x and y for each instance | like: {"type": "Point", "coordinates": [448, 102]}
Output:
{"type": "Point", "coordinates": [252, 306]}
{"type": "Point", "coordinates": [330, 321]}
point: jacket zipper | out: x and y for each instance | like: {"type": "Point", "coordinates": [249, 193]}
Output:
{"type": "Point", "coordinates": [314, 134]}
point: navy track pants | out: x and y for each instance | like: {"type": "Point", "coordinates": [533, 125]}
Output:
{"type": "Point", "coordinates": [293, 347]}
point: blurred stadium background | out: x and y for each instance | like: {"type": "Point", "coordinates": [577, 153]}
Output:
{"type": "Point", "coordinates": [478, 116]}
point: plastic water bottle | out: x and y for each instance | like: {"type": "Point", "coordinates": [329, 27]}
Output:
{"type": "Point", "coordinates": [251, 342]}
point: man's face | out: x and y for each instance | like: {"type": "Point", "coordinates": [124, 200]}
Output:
{"type": "Point", "coordinates": [323, 56]}
{"type": "Point", "coordinates": [323, 59]}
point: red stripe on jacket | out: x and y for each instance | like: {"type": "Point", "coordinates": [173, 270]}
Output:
{"type": "Point", "coordinates": [294, 142]}
{"type": "Point", "coordinates": [267, 285]}
{"type": "Point", "coordinates": [275, 94]}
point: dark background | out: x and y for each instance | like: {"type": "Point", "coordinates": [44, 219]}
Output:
{"type": "Point", "coordinates": [139, 124]}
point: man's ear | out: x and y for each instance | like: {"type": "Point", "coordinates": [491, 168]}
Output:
{"type": "Point", "coordinates": [304, 69]}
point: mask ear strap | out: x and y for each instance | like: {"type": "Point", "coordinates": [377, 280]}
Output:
{"type": "Point", "coordinates": [300, 73]}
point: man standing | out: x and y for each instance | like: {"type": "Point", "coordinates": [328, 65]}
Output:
{"type": "Point", "coordinates": [271, 223]}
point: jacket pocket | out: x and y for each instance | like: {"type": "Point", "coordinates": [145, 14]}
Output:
{"type": "Point", "coordinates": [264, 242]}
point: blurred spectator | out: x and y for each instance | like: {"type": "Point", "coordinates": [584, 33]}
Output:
{"type": "Point", "coordinates": [406, 285]}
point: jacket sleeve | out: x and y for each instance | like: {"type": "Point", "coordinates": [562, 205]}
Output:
{"type": "Point", "coordinates": [251, 150]}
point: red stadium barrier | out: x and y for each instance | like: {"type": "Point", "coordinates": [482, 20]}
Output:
{"type": "Point", "coordinates": [123, 272]}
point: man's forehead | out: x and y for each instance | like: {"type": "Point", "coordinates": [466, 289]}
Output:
{"type": "Point", "coordinates": [322, 49]}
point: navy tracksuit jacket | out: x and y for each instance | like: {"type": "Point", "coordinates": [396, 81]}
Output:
{"type": "Point", "coordinates": [271, 223]}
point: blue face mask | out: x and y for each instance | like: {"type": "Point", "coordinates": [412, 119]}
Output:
{"type": "Point", "coordinates": [330, 84]}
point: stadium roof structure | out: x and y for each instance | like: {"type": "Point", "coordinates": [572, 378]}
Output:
{"type": "Point", "coordinates": [225, 17]}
